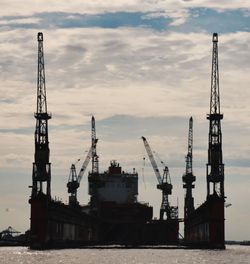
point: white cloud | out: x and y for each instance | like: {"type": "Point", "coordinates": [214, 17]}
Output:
{"type": "Point", "coordinates": [127, 71]}
{"type": "Point", "coordinates": [179, 16]}
{"type": "Point", "coordinates": [178, 10]}
{"type": "Point", "coordinates": [20, 21]}
{"type": "Point", "coordinates": [27, 7]}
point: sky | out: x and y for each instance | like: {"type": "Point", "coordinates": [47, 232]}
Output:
{"type": "Point", "coordinates": [142, 68]}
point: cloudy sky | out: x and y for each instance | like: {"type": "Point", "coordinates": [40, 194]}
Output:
{"type": "Point", "coordinates": [142, 67]}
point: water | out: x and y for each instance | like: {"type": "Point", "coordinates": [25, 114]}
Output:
{"type": "Point", "coordinates": [232, 255]}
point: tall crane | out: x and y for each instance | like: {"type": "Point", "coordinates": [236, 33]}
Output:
{"type": "Point", "coordinates": [215, 166]}
{"type": "Point", "coordinates": [164, 185]}
{"type": "Point", "coordinates": [188, 178]}
{"type": "Point", "coordinates": [94, 175]}
{"type": "Point", "coordinates": [74, 179]}
{"type": "Point", "coordinates": [95, 158]}
{"type": "Point", "coordinates": [41, 174]}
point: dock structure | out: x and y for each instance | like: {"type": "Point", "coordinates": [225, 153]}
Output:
{"type": "Point", "coordinates": [204, 227]}
{"type": "Point", "coordinates": [114, 215]}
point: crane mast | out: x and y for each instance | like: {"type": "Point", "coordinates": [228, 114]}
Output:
{"type": "Point", "coordinates": [188, 178]}
{"type": "Point", "coordinates": [163, 184]}
{"type": "Point", "coordinates": [215, 166]}
{"type": "Point", "coordinates": [189, 158]}
{"type": "Point", "coordinates": [73, 186]}
{"type": "Point", "coordinates": [95, 161]}
{"type": "Point", "coordinates": [41, 174]}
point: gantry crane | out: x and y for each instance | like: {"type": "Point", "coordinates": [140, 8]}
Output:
{"type": "Point", "coordinates": [41, 167]}
{"type": "Point", "coordinates": [164, 184]}
{"type": "Point", "coordinates": [188, 178]}
{"type": "Point", "coordinates": [215, 166]}
{"type": "Point", "coordinates": [74, 179]}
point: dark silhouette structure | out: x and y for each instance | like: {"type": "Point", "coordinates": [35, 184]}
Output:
{"type": "Point", "coordinates": [204, 227]}
{"type": "Point", "coordinates": [41, 167]}
{"type": "Point", "coordinates": [215, 166]}
{"type": "Point", "coordinates": [164, 184]}
{"type": "Point", "coordinates": [188, 178]}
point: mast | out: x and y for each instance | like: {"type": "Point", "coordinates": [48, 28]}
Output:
{"type": "Point", "coordinates": [215, 166]}
{"type": "Point", "coordinates": [188, 178]}
{"type": "Point", "coordinates": [41, 167]}
{"type": "Point", "coordinates": [95, 161]}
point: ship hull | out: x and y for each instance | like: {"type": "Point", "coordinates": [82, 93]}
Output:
{"type": "Point", "coordinates": [56, 225]}
{"type": "Point", "coordinates": [155, 232]}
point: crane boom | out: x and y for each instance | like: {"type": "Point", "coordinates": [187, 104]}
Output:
{"type": "Point", "coordinates": [152, 160]}
{"type": "Point", "coordinates": [85, 163]}
{"type": "Point", "coordinates": [163, 184]}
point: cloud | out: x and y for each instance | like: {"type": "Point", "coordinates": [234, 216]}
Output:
{"type": "Point", "coordinates": [138, 76]}
{"type": "Point", "coordinates": [78, 20]}
{"type": "Point", "coordinates": [24, 21]}
{"type": "Point", "coordinates": [27, 7]}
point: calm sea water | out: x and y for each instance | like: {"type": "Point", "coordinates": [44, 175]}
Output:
{"type": "Point", "coordinates": [232, 255]}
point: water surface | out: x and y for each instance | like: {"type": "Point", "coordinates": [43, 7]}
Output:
{"type": "Point", "coordinates": [22, 255]}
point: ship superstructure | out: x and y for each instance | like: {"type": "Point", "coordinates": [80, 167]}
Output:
{"type": "Point", "coordinates": [114, 185]}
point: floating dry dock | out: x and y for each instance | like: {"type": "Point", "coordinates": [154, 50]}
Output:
{"type": "Point", "coordinates": [114, 215]}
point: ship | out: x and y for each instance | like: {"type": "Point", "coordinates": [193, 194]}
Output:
{"type": "Point", "coordinates": [113, 215]}
{"type": "Point", "coordinates": [116, 218]}
{"type": "Point", "coordinates": [204, 227]}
